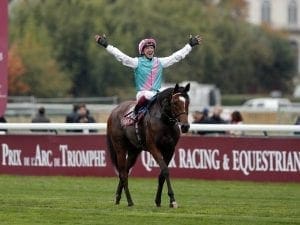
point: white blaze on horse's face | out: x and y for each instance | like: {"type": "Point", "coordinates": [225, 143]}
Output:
{"type": "Point", "coordinates": [181, 111]}
{"type": "Point", "coordinates": [183, 100]}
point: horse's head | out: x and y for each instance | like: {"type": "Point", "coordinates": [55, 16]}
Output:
{"type": "Point", "coordinates": [180, 106]}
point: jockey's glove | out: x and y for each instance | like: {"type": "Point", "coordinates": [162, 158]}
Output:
{"type": "Point", "coordinates": [193, 41]}
{"type": "Point", "coordinates": [102, 41]}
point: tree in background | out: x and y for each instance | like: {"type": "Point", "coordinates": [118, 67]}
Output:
{"type": "Point", "coordinates": [16, 72]}
{"type": "Point", "coordinates": [42, 76]}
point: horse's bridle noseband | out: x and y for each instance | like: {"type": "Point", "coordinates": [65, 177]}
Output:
{"type": "Point", "coordinates": [179, 114]}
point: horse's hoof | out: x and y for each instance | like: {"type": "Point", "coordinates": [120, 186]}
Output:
{"type": "Point", "coordinates": [173, 205]}
{"type": "Point", "coordinates": [130, 204]}
{"type": "Point", "coordinates": [118, 199]}
{"type": "Point", "coordinates": [157, 203]}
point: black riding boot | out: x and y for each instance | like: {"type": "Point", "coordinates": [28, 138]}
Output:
{"type": "Point", "coordinates": [142, 101]}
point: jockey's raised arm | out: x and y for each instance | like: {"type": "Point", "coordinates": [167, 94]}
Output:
{"type": "Point", "coordinates": [148, 69]}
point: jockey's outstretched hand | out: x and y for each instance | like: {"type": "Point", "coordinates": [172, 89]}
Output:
{"type": "Point", "coordinates": [101, 40]}
{"type": "Point", "coordinates": [196, 40]}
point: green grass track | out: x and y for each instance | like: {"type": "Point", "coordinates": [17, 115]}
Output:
{"type": "Point", "coordinates": [90, 200]}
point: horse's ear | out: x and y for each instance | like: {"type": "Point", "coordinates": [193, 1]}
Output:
{"type": "Point", "coordinates": [187, 87]}
{"type": "Point", "coordinates": [176, 88]}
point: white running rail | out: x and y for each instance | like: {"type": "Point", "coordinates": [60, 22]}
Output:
{"type": "Point", "coordinates": [193, 127]}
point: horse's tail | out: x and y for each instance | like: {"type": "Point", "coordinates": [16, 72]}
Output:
{"type": "Point", "coordinates": [110, 146]}
{"type": "Point", "coordinates": [112, 152]}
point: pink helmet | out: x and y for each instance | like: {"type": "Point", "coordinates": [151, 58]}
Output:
{"type": "Point", "coordinates": [146, 42]}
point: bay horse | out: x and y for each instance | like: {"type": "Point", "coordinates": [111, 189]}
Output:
{"type": "Point", "coordinates": [157, 132]}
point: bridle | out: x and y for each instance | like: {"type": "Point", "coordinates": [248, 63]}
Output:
{"type": "Point", "coordinates": [172, 118]}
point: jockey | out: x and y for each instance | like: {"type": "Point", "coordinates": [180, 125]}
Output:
{"type": "Point", "coordinates": [147, 68]}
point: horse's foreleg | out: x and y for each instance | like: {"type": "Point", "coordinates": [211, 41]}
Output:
{"type": "Point", "coordinates": [165, 176]}
{"type": "Point", "coordinates": [173, 203]}
{"type": "Point", "coordinates": [161, 181]}
{"type": "Point", "coordinates": [119, 192]}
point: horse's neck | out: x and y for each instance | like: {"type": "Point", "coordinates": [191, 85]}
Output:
{"type": "Point", "coordinates": [162, 108]}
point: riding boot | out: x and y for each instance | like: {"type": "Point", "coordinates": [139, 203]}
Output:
{"type": "Point", "coordinates": [141, 102]}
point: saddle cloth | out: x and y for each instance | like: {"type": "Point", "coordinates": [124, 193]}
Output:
{"type": "Point", "coordinates": [130, 118]}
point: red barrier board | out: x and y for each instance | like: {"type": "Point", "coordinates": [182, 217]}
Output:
{"type": "Point", "coordinates": [200, 157]}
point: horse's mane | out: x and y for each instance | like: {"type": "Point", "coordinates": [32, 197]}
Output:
{"type": "Point", "coordinates": [163, 98]}
{"type": "Point", "coordinates": [166, 93]}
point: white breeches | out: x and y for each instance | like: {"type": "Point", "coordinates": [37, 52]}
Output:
{"type": "Point", "coordinates": [147, 94]}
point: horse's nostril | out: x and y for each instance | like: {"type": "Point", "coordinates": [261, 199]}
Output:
{"type": "Point", "coordinates": [185, 128]}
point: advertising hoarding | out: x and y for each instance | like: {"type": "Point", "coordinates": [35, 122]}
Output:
{"type": "Point", "coordinates": [197, 157]}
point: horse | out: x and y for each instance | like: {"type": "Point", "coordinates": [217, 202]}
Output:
{"type": "Point", "coordinates": [157, 132]}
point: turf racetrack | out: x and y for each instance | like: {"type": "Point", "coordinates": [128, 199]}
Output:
{"type": "Point", "coordinates": [76, 200]}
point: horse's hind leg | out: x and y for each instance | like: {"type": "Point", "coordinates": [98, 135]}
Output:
{"type": "Point", "coordinates": [123, 181]}
{"type": "Point", "coordinates": [131, 159]}
{"type": "Point", "coordinates": [126, 189]}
